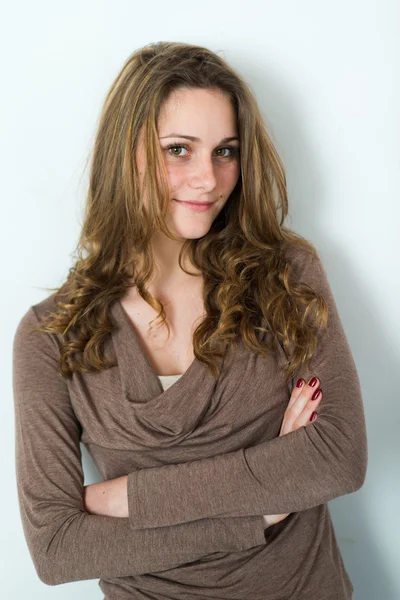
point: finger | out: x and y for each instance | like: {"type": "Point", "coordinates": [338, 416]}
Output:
{"type": "Point", "coordinates": [293, 412]}
{"type": "Point", "coordinates": [304, 419]}
{"type": "Point", "coordinates": [296, 391]}
{"type": "Point", "coordinates": [297, 407]}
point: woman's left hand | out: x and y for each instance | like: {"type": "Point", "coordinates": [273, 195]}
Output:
{"type": "Point", "coordinates": [297, 414]}
{"type": "Point", "coordinates": [108, 498]}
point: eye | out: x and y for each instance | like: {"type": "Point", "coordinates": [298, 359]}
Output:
{"type": "Point", "coordinates": [174, 147]}
{"type": "Point", "coordinates": [233, 150]}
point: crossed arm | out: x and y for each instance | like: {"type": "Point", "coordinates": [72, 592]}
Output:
{"type": "Point", "coordinates": [66, 542]}
{"type": "Point", "coordinates": [291, 473]}
{"type": "Point", "coordinates": [288, 474]}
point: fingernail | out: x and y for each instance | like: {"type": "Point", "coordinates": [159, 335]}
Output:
{"type": "Point", "coordinates": [315, 394]}
{"type": "Point", "coordinates": [299, 383]}
{"type": "Point", "coordinates": [313, 416]}
{"type": "Point", "coordinates": [313, 381]}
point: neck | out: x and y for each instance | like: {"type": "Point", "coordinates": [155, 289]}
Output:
{"type": "Point", "coordinates": [166, 255]}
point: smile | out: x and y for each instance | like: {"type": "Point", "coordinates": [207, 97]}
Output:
{"type": "Point", "coordinates": [195, 206]}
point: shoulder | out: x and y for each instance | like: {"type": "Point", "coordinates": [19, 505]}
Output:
{"type": "Point", "coordinates": [45, 306]}
{"type": "Point", "coordinates": [30, 320]}
{"type": "Point", "coordinates": [301, 255]}
{"type": "Point", "coordinates": [35, 356]}
{"type": "Point", "coordinates": [306, 264]}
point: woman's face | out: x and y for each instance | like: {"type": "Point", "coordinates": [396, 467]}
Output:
{"type": "Point", "coordinates": [203, 169]}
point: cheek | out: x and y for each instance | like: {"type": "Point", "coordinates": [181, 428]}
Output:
{"type": "Point", "coordinates": [230, 176]}
{"type": "Point", "coordinates": [176, 176]}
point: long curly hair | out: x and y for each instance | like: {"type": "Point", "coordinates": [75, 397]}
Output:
{"type": "Point", "coordinates": [246, 289]}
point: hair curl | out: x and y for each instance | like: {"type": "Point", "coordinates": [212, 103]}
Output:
{"type": "Point", "coordinates": [241, 258]}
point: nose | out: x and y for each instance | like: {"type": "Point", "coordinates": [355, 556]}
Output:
{"type": "Point", "coordinates": [202, 175]}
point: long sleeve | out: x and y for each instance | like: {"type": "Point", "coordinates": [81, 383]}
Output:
{"type": "Point", "coordinates": [66, 542]}
{"type": "Point", "coordinates": [295, 472]}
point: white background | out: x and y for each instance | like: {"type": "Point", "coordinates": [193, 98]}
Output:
{"type": "Point", "coordinates": [326, 76]}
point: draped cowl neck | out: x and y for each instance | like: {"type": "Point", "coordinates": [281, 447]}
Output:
{"type": "Point", "coordinates": [126, 407]}
{"type": "Point", "coordinates": [162, 416]}
{"type": "Point", "coordinates": [146, 391]}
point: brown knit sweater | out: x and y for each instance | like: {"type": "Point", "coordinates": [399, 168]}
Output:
{"type": "Point", "coordinates": [204, 462]}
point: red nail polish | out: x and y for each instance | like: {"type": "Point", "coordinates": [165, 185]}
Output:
{"type": "Point", "coordinates": [313, 381]}
{"type": "Point", "coordinates": [299, 383]}
{"type": "Point", "coordinates": [313, 416]}
{"type": "Point", "coordinates": [315, 394]}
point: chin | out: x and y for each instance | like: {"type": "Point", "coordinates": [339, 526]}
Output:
{"type": "Point", "coordinates": [192, 232]}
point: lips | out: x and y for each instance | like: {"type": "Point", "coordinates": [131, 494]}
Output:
{"type": "Point", "coordinates": [194, 202]}
{"type": "Point", "coordinates": [195, 206]}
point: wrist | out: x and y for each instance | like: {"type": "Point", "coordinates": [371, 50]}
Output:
{"type": "Point", "coordinates": [108, 498]}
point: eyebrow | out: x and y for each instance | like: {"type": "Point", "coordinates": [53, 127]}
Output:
{"type": "Point", "coordinates": [196, 139]}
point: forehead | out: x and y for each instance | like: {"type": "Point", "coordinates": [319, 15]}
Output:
{"type": "Point", "coordinates": [199, 111]}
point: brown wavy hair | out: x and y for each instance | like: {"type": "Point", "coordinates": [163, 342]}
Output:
{"type": "Point", "coordinates": [241, 258]}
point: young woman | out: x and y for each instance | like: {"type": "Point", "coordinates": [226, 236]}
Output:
{"type": "Point", "coordinates": [216, 475]}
